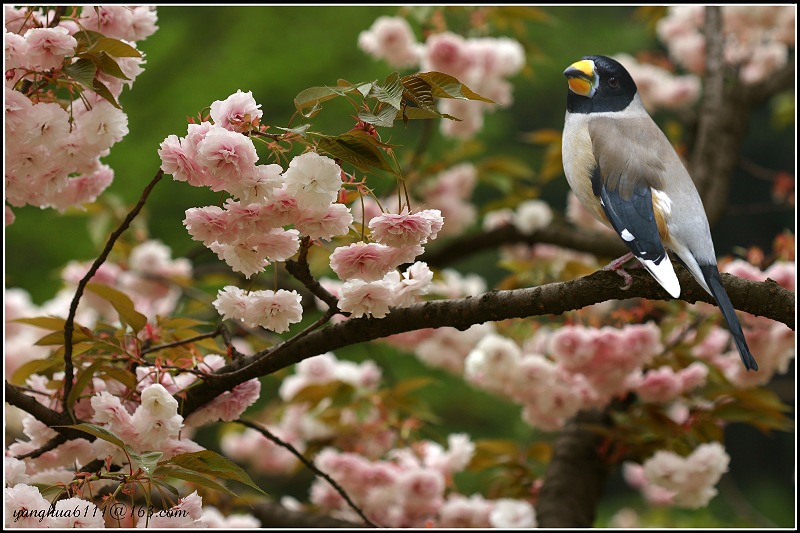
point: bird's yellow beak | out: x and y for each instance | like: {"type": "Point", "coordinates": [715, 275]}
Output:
{"type": "Point", "coordinates": [581, 77]}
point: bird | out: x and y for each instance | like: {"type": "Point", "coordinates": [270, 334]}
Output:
{"type": "Point", "coordinates": [626, 173]}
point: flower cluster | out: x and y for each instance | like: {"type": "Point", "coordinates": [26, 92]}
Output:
{"type": "Point", "coordinates": [54, 146]}
{"type": "Point", "coordinates": [409, 488]}
{"type": "Point", "coordinates": [249, 232]}
{"type": "Point", "coordinates": [150, 277]}
{"type": "Point", "coordinates": [482, 63]}
{"type": "Point", "coordinates": [772, 342]}
{"type": "Point", "coordinates": [757, 38]}
{"type": "Point", "coordinates": [660, 88]}
{"type": "Point", "coordinates": [557, 374]}
{"type": "Point", "coordinates": [273, 310]}
{"type": "Point", "coordinates": [666, 478]}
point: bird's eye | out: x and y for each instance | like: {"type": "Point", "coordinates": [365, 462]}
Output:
{"type": "Point", "coordinates": [613, 83]}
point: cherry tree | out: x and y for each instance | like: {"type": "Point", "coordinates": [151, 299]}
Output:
{"type": "Point", "coordinates": [324, 241]}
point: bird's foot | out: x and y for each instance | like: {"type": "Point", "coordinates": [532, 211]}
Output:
{"type": "Point", "coordinates": [616, 266]}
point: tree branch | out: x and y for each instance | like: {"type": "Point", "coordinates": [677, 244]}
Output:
{"type": "Point", "coordinates": [576, 475]}
{"type": "Point", "coordinates": [725, 117]}
{"type": "Point", "coordinates": [759, 298]}
{"type": "Point", "coordinates": [69, 326]}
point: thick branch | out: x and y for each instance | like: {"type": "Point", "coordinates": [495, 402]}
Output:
{"type": "Point", "coordinates": [725, 117]}
{"type": "Point", "coordinates": [759, 298]}
{"type": "Point", "coordinates": [605, 245]}
{"type": "Point", "coordinates": [53, 419]}
{"type": "Point", "coordinates": [575, 477]}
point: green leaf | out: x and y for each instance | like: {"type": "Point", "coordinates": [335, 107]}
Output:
{"type": "Point", "coordinates": [314, 96]}
{"type": "Point", "coordinates": [126, 377]}
{"type": "Point", "coordinates": [84, 376]}
{"type": "Point", "coordinates": [52, 323]}
{"type": "Point", "coordinates": [147, 461]}
{"type": "Point", "coordinates": [408, 386]}
{"type": "Point", "coordinates": [391, 92]}
{"type": "Point", "coordinates": [109, 66]}
{"type": "Point", "coordinates": [192, 477]}
{"type": "Point", "coordinates": [103, 92]}
{"type": "Point", "coordinates": [56, 338]}
{"type": "Point", "coordinates": [299, 130]}
{"type": "Point", "coordinates": [446, 86]}
{"type": "Point", "coordinates": [357, 148]}
{"type": "Point", "coordinates": [385, 117]}
{"type": "Point", "coordinates": [83, 71]}
{"type": "Point", "coordinates": [418, 113]}
{"type": "Point", "coordinates": [37, 366]}
{"type": "Point", "coordinates": [122, 305]}
{"type": "Point", "coordinates": [87, 38]}
{"type": "Point", "coordinates": [101, 433]}
{"type": "Point", "coordinates": [419, 91]}
{"type": "Point", "coordinates": [114, 47]}
{"type": "Point", "coordinates": [212, 463]}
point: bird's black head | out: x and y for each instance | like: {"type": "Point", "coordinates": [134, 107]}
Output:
{"type": "Point", "coordinates": [598, 84]}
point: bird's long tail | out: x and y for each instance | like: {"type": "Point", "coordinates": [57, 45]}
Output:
{"type": "Point", "coordinates": [714, 282]}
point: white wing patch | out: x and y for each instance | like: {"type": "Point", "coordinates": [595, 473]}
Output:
{"type": "Point", "coordinates": [626, 235]}
{"type": "Point", "coordinates": [664, 202]}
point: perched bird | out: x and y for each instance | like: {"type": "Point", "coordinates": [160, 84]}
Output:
{"type": "Point", "coordinates": [626, 173]}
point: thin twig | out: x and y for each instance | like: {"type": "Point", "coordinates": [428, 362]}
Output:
{"type": "Point", "coordinates": [69, 326]}
{"type": "Point", "coordinates": [300, 271]}
{"type": "Point", "coordinates": [308, 464]}
{"type": "Point", "coordinates": [217, 331]}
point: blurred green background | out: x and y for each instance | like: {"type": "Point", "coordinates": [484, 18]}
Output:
{"type": "Point", "coordinates": [201, 54]}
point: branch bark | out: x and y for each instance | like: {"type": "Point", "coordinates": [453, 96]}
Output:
{"type": "Point", "coordinates": [759, 298]}
{"type": "Point", "coordinates": [604, 245]}
{"type": "Point", "coordinates": [576, 475]}
{"type": "Point", "coordinates": [725, 117]}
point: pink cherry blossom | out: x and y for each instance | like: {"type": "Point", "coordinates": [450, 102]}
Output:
{"type": "Point", "coordinates": [17, 52]}
{"type": "Point", "coordinates": [416, 281]}
{"type": "Point", "coordinates": [531, 216]}
{"type": "Point", "coordinates": [238, 112]}
{"type": "Point", "coordinates": [508, 513]}
{"type": "Point", "coordinates": [447, 52]}
{"type": "Point", "coordinates": [313, 180]}
{"type": "Point", "coordinates": [143, 22]}
{"type": "Point", "coordinates": [406, 229]}
{"type": "Point", "coordinates": [227, 406]}
{"type": "Point", "coordinates": [226, 154]}
{"type": "Point", "coordinates": [691, 478]}
{"type": "Point", "coordinates": [493, 363]}
{"type": "Point", "coordinates": [25, 507]}
{"type": "Point", "coordinates": [693, 376]}
{"type": "Point", "coordinates": [206, 224]}
{"type": "Point", "coordinates": [83, 189]}
{"type": "Point", "coordinates": [275, 310]}
{"type": "Point", "coordinates": [103, 126]}
{"type": "Point", "coordinates": [186, 514]}
{"type": "Point", "coordinates": [459, 511]}
{"type": "Point", "coordinates": [391, 39]}
{"type": "Point", "coordinates": [258, 185]}
{"type": "Point", "coordinates": [156, 419]}
{"type": "Point", "coordinates": [364, 261]}
{"type": "Point", "coordinates": [360, 298]}
{"type": "Point", "coordinates": [659, 385]}
{"type": "Point", "coordinates": [48, 47]}
{"type": "Point", "coordinates": [76, 512]}
{"type": "Point", "coordinates": [324, 225]}
{"type": "Point", "coordinates": [113, 21]}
